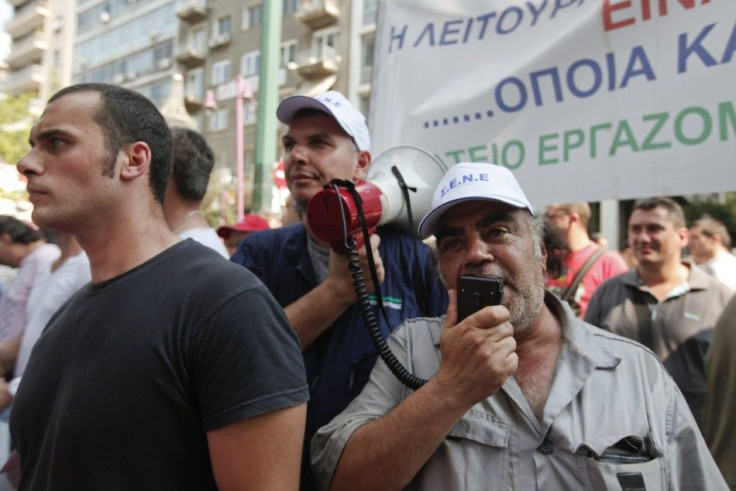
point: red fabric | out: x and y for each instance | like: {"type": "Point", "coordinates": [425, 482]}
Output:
{"type": "Point", "coordinates": [608, 265]}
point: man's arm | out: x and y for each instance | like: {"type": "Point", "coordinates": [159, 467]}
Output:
{"type": "Point", "coordinates": [476, 361]}
{"type": "Point", "coordinates": [313, 313]}
{"type": "Point", "coordinates": [262, 452]}
{"type": "Point", "coordinates": [9, 354]}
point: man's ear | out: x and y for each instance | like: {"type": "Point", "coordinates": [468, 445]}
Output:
{"type": "Point", "coordinates": [364, 161]}
{"type": "Point", "coordinates": [543, 251]}
{"type": "Point", "coordinates": [137, 157]}
{"type": "Point", "coordinates": [684, 235]}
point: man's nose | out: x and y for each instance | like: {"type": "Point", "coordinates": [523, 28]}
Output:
{"type": "Point", "coordinates": [298, 153]}
{"type": "Point", "coordinates": [28, 165]}
{"type": "Point", "coordinates": [479, 251]}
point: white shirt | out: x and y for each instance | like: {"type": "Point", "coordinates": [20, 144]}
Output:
{"type": "Point", "coordinates": [206, 236]}
{"type": "Point", "coordinates": [723, 268]}
{"type": "Point", "coordinates": [49, 292]}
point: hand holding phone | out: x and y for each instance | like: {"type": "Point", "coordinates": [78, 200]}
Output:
{"type": "Point", "coordinates": [476, 292]}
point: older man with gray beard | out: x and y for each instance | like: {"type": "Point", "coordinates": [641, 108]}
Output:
{"type": "Point", "coordinates": [521, 395]}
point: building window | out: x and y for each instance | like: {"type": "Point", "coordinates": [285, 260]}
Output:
{"type": "Point", "coordinates": [252, 16]}
{"type": "Point", "coordinates": [323, 44]}
{"type": "Point", "coordinates": [197, 41]}
{"type": "Point", "coordinates": [218, 119]}
{"type": "Point", "coordinates": [162, 54]}
{"type": "Point", "coordinates": [365, 107]}
{"type": "Point", "coordinates": [288, 52]}
{"type": "Point", "coordinates": [366, 59]}
{"type": "Point", "coordinates": [250, 64]}
{"type": "Point", "coordinates": [370, 9]}
{"type": "Point", "coordinates": [223, 25]}
{"type": "Point", "coordinates": [220, 72]}
{"type": "Point", "coordinates": [249, 112]}
{"type": "Point", "coordinates": [195, 84]}
{"type": "Point", "coordinates": [290, 6]}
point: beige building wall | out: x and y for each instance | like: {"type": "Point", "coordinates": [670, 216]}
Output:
{"type": "Point", "coordinates": [322, 47]}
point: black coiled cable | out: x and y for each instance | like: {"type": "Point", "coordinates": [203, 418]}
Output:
{"type": "Point", "coordinates": [400, 372]}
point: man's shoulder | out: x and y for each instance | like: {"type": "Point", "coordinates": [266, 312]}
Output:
{"type": "Point", "coordinates": [277, 237]}
{"type": "Point", "coordinates": [272, 245]}
{"type": "Point", "coordinates": [618, 283]}
{"type": "Point", "coordinates": [701, 280]}
{"type": "Point", "coordinates": [192, 260]}
{"type": "Point", "coordinates": [621, 348]}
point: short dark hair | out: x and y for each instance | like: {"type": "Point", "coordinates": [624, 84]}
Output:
{"type": "Point", "coordinates": [674, 210]}
{"type": "Point", "coordinates": [710, 227]}
{"type": "Point", "coordinates": [18, 231]}
{"type": "Point", "coordinates": [193, 162]}
{"type": "Point", "coordinates": [126, 117]}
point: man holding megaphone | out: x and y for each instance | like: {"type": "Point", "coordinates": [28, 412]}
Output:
{"type": "Point", "coordinates": [327, 138]}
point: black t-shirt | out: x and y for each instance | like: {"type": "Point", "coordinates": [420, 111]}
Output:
{"type": "Point", "coordinates": [131, 373]}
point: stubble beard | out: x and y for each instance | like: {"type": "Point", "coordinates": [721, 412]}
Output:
{"type": "Point", "coordinates": [526, 298]}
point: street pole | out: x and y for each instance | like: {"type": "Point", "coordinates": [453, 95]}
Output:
{"type": "Point", "coordinates": [268, 93]}
{"type": "Point", "coordinates": [239, 159]}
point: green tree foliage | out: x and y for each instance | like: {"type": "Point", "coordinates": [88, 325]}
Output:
{"type": "Point", "coordinates": [15, 124]}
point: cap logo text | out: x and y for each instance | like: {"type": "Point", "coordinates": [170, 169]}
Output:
{"type": "Point", "coordinates": [461, 180]}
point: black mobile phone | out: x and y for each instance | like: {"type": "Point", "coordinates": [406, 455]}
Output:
{"type": "Point", "coordinates": [476, 292]}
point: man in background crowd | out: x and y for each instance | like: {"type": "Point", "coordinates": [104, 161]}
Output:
{"type": "Point", "coordinates": [25, 248]}
{"type": "Point", "coordinates": [666, 303]}
{"type": "Point", "coordinates": [710, 246]}
{"type": "Point", "coordinates": [190, 174]}
{"type": "Point", "coordinates": [54, 283]}
{"type": "Point", "coordinates": [719, 424]}
{"type": "Point", "coordinates": [570, 221]}
{"type": "Point", "coordinates": [234, 234]}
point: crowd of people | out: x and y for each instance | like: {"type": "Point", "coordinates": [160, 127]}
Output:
{"type": "Point", "coordinates": [135, 354]}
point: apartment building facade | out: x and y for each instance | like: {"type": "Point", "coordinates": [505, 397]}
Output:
{"type": "Point", "coordinates": [325, 44]}
{"type": "Point", "coordinates": [40, 57]}
{"type": "Point", "coordinates": [131, 43]}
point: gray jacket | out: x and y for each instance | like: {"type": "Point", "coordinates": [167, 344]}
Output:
{"type": "Point", "coordinates": [613, 417]}
{"type": "Point", "coordinates": [679, 329]}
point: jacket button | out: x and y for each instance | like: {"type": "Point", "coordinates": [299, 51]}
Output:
{"type": "Point", "coordinates": [545, 447]}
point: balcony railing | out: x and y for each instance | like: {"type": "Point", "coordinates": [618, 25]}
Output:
{"type": "Point", "coordinates": [26, 50]}
{"type": "Point", "coordinates": [30, 17]}
{"type": "Point", "coordinates": [318, 65]}
{"type": "Point", "coordinates": [27, 79]}
{"type": "Point", "coordinates": [192, 11]}
{"type": "Point", "coordinates": [190, 58]}
{"type": "Point", "coordinates": [319, 13]}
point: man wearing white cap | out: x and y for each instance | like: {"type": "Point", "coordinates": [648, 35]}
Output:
{"type": "Point", "coordinates": [522, 395]}
{"type": "Point", "coordinates": [327, 138]}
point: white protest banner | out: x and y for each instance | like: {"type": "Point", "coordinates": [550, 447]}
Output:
{"type": "Point", "coordinates": [583, 100]}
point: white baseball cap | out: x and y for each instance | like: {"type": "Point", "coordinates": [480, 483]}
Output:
{"type": "Point", "coordinates": [473, 181]}
{"type": "Point", "coordinates": [336, 105]}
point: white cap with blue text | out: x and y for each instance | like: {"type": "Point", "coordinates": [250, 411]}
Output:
{"type": "Point", "coordinates": [336, 105]}
{"type": "Point", "coordinates": [473, 181]}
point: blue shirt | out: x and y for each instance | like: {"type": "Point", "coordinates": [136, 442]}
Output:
{"type": "Point", "coordinates": [340, 360]}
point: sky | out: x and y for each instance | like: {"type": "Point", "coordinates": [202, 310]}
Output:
{"type": "Point", "coordinates": [6, 12]}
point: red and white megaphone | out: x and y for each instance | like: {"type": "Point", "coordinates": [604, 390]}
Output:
{"type": "Point", "coordinates": [333, 213]}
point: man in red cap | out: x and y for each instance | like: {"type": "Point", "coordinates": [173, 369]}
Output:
{"type": "Point", "coordinates": [233, 235]}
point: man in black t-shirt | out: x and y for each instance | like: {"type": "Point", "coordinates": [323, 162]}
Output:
{"type": "Point", "coordinates": [175, 369]}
